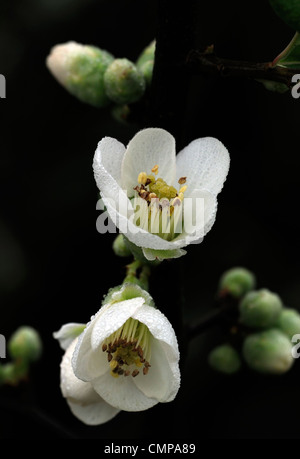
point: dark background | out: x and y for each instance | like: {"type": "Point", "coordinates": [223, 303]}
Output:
{"type": "Point", "coordinates": [55, 267]}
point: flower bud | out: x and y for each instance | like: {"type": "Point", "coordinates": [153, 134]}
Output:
{"type": "Point", "coordinates": [224, 359]}
{"type": "Point", "coordinates": [260, 308]}
{"type": "Point", "coordinates": [268, 352]}
{"type": "Point", "coordinates": [124, 83]}
{"type": "Point", "coordinates": [120, 248]}
{"type": "Point", "coordinates": [289, 322]}
{"type": "Point", "coordinates": [80, 69]}
{"type": "Point", "coordinates": [237, 281]}
{"type": "Point", "coordinates": [145, 62]}
{"type": "Point", "coordinates": [1, 374]}
{"type": "Point", "coordinates": [25, 344]}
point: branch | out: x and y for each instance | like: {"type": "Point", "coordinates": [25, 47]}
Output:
{"type": "Point", "coordinates": [226, 307]}
{"type": "Point", "coordinates": [208, 63]}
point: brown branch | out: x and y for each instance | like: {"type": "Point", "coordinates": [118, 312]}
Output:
{"type": "Point", "coordinates": [208, 63]}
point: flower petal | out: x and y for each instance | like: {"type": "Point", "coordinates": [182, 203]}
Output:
{"type": "Point", "coordinates": [95, 413]}
{"type": "Point", "coordinates": [149, 147]}
{"type": "Point", "coordinates": [162, 331]}
{"type": "Point", "coordinates": [113, 318]}
{"type": "Point", "coordinates": [160, 383]}
{"type": "Point", "coordinates": [88, 360]}
{"type": "Point", "coordinates": [205, 164]}
{"type": "Point", "coordinates": [83, 401]}
{"type": "Point", "coordinates": [108, 161]}
{"type": "Point", "coordinates": [122, 393]}
{"type": "Point", "coordinates": [67, 333]}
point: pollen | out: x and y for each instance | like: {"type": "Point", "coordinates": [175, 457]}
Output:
{"type": "Point", "coordinates": [155, 169]}
{"type": "Point", "coordinates": [142, 178]}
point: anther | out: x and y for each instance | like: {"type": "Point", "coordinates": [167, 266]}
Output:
{"type": "Point", "coordinates": [142, 178]}
{"type": "Point", "coordinates": [135, 373]}
{"type": "Point", "coordinates": [104, 347]}
{"type": "Point", "coordinates": [155, 169]}
{"type": "Point", "coordinates": [182, 180]}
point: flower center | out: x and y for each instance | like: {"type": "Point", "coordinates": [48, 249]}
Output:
{"type": "Point", "coordinates": [158, 206]}
{"type": "Point", "coordinates": [129, 349]}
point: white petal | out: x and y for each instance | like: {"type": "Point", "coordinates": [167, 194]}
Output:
{"type": "Point", "coordinates": [88, 363]}
{"type": "Point", "coordinates": [107, 171]}
{"type": "Point", "coordinates": [161, 382]}
{"type": "Point", "coordinates": [95, 413]}
{"type": "Point", "coordinates": [113, 318]}
{"type": "Point", "coordinates": [162, 331]}
{"type": "Point", "coordinates": [83, 401]}
{"type": "Point", "coordinates": [122, 393]}
{"type": "Point", "coordinates": [67, 333]}
{"type": "Point", "coordinates": [160, 328]}
{"type": "Point", "coordinates": [149, 147]}
{"type": "Point", "coordinates": [205, 163]}
{"type": "Point", "coordinates": [108, 161]}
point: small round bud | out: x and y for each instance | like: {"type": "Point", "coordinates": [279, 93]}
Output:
{"type": "Point", "coordinates": [289, 322]}
{"type": "Point", "coordinates": [124, 83]}
{"type": "Point", "coordinates": [269, 351]}
{"type": "Point", "coordinates": [25, 344]}
{"type": "Point", "coordinates": [120, 248]}
{"type": "Point", "coordinates": [224, 359]}
{"type": "Point", "coordinates": [260, 308]}
{"type": "Point", "coordinates": [237, 281]}
{"type": "Point", "coordinates": [8, 374]}
{"type": "Point", "coordinates": [80, 69]}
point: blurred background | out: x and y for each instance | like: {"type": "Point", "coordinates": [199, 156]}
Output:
{"type": "Point", "coordinates": [55, 267]}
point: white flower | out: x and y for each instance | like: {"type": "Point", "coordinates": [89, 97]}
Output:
{"type": "Point", "coordinates": [146, 189]}
{"type": "Point", "coordinates": [83, 401]}
{"type": "Point", "coordinates": [128, 352]}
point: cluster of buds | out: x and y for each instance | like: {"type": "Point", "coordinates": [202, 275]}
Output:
{"type": "Point", "coordinates": [24, 347]}
{"type": "Point", "coordinates": [95, 77]}
{"type": "Point", "coordinates": [264, 327]}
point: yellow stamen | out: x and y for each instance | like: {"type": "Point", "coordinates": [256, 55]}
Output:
{"type": "Point", "coordinates": [183, 189]}
{"type": "Point", "coordinates": [155, 169]}
{"type": "Point", "coordinates": [142, 178]}
{"type": "Point", "coordinates": [181, 196]}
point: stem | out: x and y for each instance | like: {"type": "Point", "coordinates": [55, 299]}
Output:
{"type": "Point", "coordinates": [208, 63]}
{"type": "Point", "coordinates": [138, 273]}
{"type": "Point", "coordinates": [226, 307]}
{"type": "Point", "coordinates": [174, 39]}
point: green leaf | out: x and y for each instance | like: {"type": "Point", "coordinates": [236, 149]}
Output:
{"type": "Point", "coordinates": [290, 56]}
{"type": "Point", "coordinates": [288, 11]}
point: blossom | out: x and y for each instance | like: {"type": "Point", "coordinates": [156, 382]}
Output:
{"type": "Point", "coordinates": [151, 195]}
{"type": "Point", "coordinates": [126, 357]}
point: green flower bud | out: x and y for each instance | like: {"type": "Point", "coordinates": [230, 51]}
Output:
{"type": "Point", "coordinates": [268, 352]}
{"type": "Point", "coordinates": [289, 322]}
{"type": "Point", "coordinates": [145, 62]}
{"type": "Point", "coordinates": [120, 248]}
{"type": "Point", "coordinates": [25, 344]}
{"type": "Point", "coordinates": [260, 308]}
{"type": "Point", "coordinates": [80, 69]}
{"type": "Point", "coordinates": [8, 373]}
{"type": "Point", "coordinates": [121, 113]}
{"type": "Point", "coordinates": [237, 281]}
{"type": "Point", "coordinates": [124, 83]}
{"type": "Point", "coordinates": [224, 359]}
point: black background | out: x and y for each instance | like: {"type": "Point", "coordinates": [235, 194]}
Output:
{"type": "Point", "coordinates": [55, 267]}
